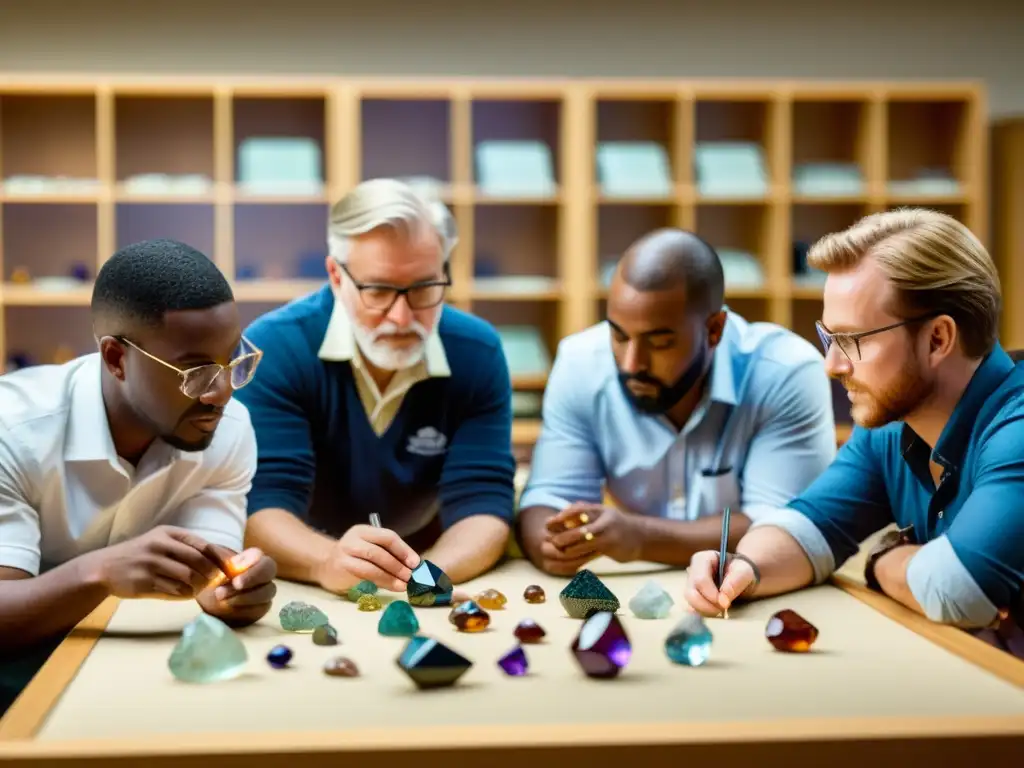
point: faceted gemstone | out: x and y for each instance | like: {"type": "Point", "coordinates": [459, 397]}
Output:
{"type": "Point", "coordinates": [689, 642]}
{"type": "Point", "coordinates": [362, 588]}
{"type": "Point", "coordinates": [586, 595]}
{"type": "Point", "coordinates": [469, 617]}
{"type": "Point", "coordinates": [298, 616]}
{"type": "Point", "coordinates": [534, 594]}
{"type": "Point", "coordinates": [369, 603]}
{"type": "Point", "coordinates": [602, 647]}
{"type": "Point", "coordinates": [491, 599]}
{"type": "Point", "coordinates": [651, 602]}
{"type": "Point", "coordinates": [789, 631]}
{"type": "Point", "coordinates": [398, 620]}
{"type": "Point", "coordinates": [325, 635]}
{"type": "Point", "coordinates": [429, 585]}
{"type": "Point", "coordinates": [529, 631]}
{"type": "Point", "coordinates": [339, 666]}
{"type": "Point", "coordinates": [279, 656]}
{"type": "Point", "coordinates": [431, 664]}
{"type": "Point", "coordinates": [207, 652]}
{"type": "Point", "coordinates": [514, 663]}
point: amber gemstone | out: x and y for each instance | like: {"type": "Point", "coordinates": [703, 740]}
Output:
{"type": "Point", "coordinates": [491, 599]}
{"type": "Point", "coordinates": [341, 667]}
{"type": "Point", "coordinates": [534, 594]}
{"type": "Point", "coordinates": [789, 631]}
{"type": "Point", "coordinates": [529, 631]}
{"type": "Point", "coordinates": [469, 617]}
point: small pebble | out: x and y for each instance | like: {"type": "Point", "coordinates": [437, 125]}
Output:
{"type": "Point", "coordinates": [339, 666]}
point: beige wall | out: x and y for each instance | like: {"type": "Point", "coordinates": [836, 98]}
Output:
{"type": "Point", "coordinates": [864, 39]}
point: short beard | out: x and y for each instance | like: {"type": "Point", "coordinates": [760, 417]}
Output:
{"type": "Point", "coordinates": [895, 403]}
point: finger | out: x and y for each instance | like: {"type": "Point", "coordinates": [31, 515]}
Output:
{"type": "Point", "coordinates": [699, 603]}
{"type": "Point", "coordinates": [584, 533]}
{"type": "Point", "coordinates": [584, 550]}
{"type": "Point", "coordinates": [214, 554]}
{"type": "Point", "coordinates": [393, 544]}
{"type": "Point", "coordinates": [379, 557]}
{"type": "Point", "coordinates": [738, 576]}
{"type": "Point", "coordinates": [172, 588]}
{"type": "Point", "coordinates": [259, 596]}
{"type": "Point", "coordinates": [548, 551]}
{"type": "Point", "coordinates": [263, 571]}
{"type": "Point", "coordinates": [700, 576]}
{"type": "Point", "coordinates": [559, 567]}
{"type": "Point", "coordinates": [188, 555]}
{"type": "Point", "coordinates": [365, 570]}
{"type": "Point", "coordinates": [176, 571]}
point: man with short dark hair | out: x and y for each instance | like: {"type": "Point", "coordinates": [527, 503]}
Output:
{"type": "Point", "coordinates": [676, 408]}
{"type": "Point", "coordinates": [125, 472]}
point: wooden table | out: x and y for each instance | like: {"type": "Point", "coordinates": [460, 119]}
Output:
{"type": "Point", "coordinates": [881, 685]}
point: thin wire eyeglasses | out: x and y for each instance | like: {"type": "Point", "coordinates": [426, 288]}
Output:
{"type": "Point", "coordinates": [849, 343]}
{"type": "Point", "coordinates": [381, 297]}
{"type": "Point", "coordinates": [197, 381]}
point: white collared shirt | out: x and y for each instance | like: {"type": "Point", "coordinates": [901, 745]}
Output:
{"type": "Point", "coordinates": [64, 491]}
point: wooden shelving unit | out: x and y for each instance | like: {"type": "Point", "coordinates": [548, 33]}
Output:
{"type": "Point", "coordinates": [109, 129]}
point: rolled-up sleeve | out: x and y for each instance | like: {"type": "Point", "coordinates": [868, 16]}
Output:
{"type": "Point", "coordinates": [20, 533]}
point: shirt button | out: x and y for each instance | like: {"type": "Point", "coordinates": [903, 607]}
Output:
{"type": "Point", "coordinates": [940, 513]}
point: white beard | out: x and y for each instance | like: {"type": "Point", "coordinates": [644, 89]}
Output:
{"type": "Point", "coordinates": [381, 354]}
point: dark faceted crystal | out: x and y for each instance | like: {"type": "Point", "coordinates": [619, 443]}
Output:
{"type": "Point", "coordinates": [429, 585]}
{"type": "Point", "coordinates": [586, 595]}
{"type": "Point", "coordinates": [529, 631]}
{"type": "Point", "coordinates": [431, 664]}
{"type": "Point", "coordinates": [602, 647]}
{"type": "Point", "coordinates": [789, 631]}
{"type": "Point", "coordinates": [514, 663]}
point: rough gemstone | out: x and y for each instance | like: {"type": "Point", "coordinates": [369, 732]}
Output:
{"type": "Point", "coordinates": [514, 663]}
{"type": "Point", "coordinates": [586, 595]}
{"type": "Point", "coordinates": [339, 666]}
{"type": "Point", "coordinates": [602, 648]}
{"type": "Point", "coordinates": [689, 642]}
{"type": "Point", "coordinates": [325, 635]}
{"type": "Point", "coordinates": [429, 585]}
{"type": "Point", "coordinates": [431, 664]}
{"type": "Point", "coordinates": [534, 594]}
{"type": "Point", "coordinates": [651, 602]}
{"type": "Point", "coordinates": [298, 616]}
{"type": "Point", "coordinates": [369, 603]}
{"type": "Point", "coordinates": [362, 588]}
{"type": "Point", "coordinates": [789, 631]}
{"type": "Point", "coordinates": [469, 617]}
{"type": "Point", "coordinates": [491, 599]}
{"type": "Point", "coordinates": [398, 620]}
{"type": "Point", "coordinates": [279, 656]}
{"type": "Point", "coordinates": [529, 631]}
{"type": "Point", "coordinates": [207, 652]}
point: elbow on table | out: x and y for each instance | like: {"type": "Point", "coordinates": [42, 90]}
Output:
{"type": "Point", "coordinates": [944, 606]}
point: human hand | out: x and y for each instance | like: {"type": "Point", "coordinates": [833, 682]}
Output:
{"type": "Point", "coordinates": [582, 530]}
{"type": "Point", "coordinates": [245, 592]}
{"type": "Point", "coordinates": [702, 594]}
{"type": "Point", "coordinates": [368, 553]}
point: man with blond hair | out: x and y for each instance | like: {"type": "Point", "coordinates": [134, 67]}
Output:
{"type": "Point", "coordinates": [384, 420]}
{"type": "Point", "coordinates": [910, 326]}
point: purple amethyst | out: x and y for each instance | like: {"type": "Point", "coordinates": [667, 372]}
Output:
{"type": "Point", "coordinates": [514, 662]}
{"type": "Point", "coordinates": [601, 647]}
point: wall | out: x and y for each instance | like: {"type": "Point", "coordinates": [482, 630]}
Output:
{"type": "Point", "coordinates": [865, 39]}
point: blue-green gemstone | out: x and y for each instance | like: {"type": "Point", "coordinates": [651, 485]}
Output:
{"type": "Point", "coordinates": [429, 585]}
{"type": "Point", "coordinates": [362, 588]}
{"type": "Point", "coordinates": [207, 652]}
{"type": "Point", "coordinates": [298, 616]}
{"type": "Point", "coordinates": [398, 620]}
{"type": "Point", "coordinates": [689, 642]}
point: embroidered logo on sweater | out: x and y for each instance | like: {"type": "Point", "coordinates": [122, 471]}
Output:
{"type": "Point", "coordinates": [427, 442]}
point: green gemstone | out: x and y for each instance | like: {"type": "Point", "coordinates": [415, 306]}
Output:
{"type": "Point", "coordinates": [398, 620]}
{"type": "Point", "coordinates": [207, 652]}
{"type": "Point", "coordinates": [325, 634]}
{"type": "Point", "coordinates": [298, 616]}
{"type": "Point", "coordinates": [586, 595]}
{"type": "Point", "coordinates": [362, 588]}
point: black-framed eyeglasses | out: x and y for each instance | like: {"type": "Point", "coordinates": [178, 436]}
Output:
{"type": "Point", "coordinates": [849, 343]}
{"type": "Point", "coordinates": [197, 381]}
{"type": "Point", "coordinates": [381, 297]}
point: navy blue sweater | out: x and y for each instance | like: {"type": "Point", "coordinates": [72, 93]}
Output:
{"type": "Point", "coordinates": [320, 459]}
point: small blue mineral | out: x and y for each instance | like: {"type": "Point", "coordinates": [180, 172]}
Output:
{"type": "Point", "coordinates": [689, 642]}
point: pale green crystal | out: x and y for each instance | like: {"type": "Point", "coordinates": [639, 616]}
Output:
{"type": "Point", "coordinates": [298, 616]}
{"type": "Point", "coordinates": [651, 602]}
{"type": "Point", "coordinates": [364, 587]}
{"type": "Point", "coordinates": [208, 652]}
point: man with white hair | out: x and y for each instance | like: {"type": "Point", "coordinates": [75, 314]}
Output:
{"type": "Point", "coordinates": [384, 421]}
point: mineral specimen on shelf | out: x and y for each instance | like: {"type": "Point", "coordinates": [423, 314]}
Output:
{"type": "Point", "coordinates": [369, 603]}
{"type": "Point", "coordinates": [789, 631]}
{"type": "Point", "coordinates": [298, 616]}
{"type": "Point", "coordinates": [469, 617]}
{"type": "Point", "coordinates": [529, 631]}
{"type": "Point", "coordinates": [429, 585]}
{"type": "Point", "coordinates": [398, 620]}
{"type": "Point", "coordinates": [491, 599]}
{"type": "Point", "coordinates": [514, 663]}
{"type": "Point", "coordinates": [534, 594]}
{"type": "Point", "coordinates": [279, 656]}
{"type": "Point", "coordinates": [651, 602]}
{"type": "Point", "coordinates": [431, 664]}
{"type": "Point", "coordinates": [689, 642]}
{"type": "Point", "coordinates": [339, 666]}
{"type": "Point", "coordinates": [586, 595]}
{"type": "Point", "coordinates": [362, 588]}
{"type": "Point", "coordinates": [207, 652]}
{"type": "Point", "coordinates": [602, 648]}
{"type": "Point", "coordinates": [325, 635]}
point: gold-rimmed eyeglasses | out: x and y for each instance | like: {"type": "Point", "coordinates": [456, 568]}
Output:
{"type": "Point", "coordinates": [197, 381]}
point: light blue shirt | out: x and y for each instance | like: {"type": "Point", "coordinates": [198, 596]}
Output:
{"type": "Point", "coordinates": [764, 431]}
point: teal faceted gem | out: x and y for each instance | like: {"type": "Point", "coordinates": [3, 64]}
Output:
{"type": "Point", "coordinates": [432, 664]}
{"type": "Point", "coordinates": [298, 616]}
{"type": "Point", "coordinates": [429, 585]}
{"type": "Point", "coordinates": [362, 588]}
{"type": "Point", "coordinates": [651, 602]}
{"type": "Point", "coordinates": [689, 642]}
{"type": "Point", "coordinates": [398, 620]}
{"type": "Point", "coordinates": [207, 652]}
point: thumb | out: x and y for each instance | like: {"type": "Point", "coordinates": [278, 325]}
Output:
{"type": "Point", "coordinates": [737, 578]}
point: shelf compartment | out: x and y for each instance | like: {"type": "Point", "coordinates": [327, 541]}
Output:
{"type": "Point", "coordinates": [516, 250]}
{"type": "Point", "coordinates": [280, 242]}
{"type": "Point", "coordinates": [831, 151]}
{"type": "Point", "coordinates": [192, 224]}
{"type": "Point", "coordinates": [526, 174]}
{"type": "Point", "coordinates": [734, 127]}
{"type": "Point", "coordinates": [541, 316]}
{"type": "Point", "coordinates": [408, 139]}
{"type": "Point", "coordinates": [619, 226]}
{"type": "Point", "coordinates": [811, 222]}
{"type": "Point", "coordinates": [649, 131]}
{"type": "Point", "coordinates": [49, 241]}
{"type": "Point", "coordinates": [928, 138]}
{"type": "Point", "coordinates": [741, 235]}
{"type": "Point", "coordinates": [39, 335]}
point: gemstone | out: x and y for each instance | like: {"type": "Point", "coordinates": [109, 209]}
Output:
{"type": "Point", "coordinates": [298, 616]}
{"type": "Point", "coordinates": [651, 602]}
{"type": "Point", "coordinates": [514, 663]}
{"type": "Point", "coordinates": [369, 603]}
{"type": "Point", "coordinates": [789, 631]}
{"type": "Point", "coordinates": [534, 594]}
{"type": "Point", "coordinates": [491, 599]}
{"type": "Point", "coordinates": [602, 648]}
{"type": "Point", "coordinates": [362, 588]}
{"type": "Point", "coordinates": [529, 631]}
{"type": "Point", "coordinates": [469, 617]}
{"type": "Point", "coordinates": [398, 620]}
{"type": "Point", "coordinates": [431, 664]}
{"type": "Point", "coordinates": [207, 652]}
{"type": "Point", "coordinates": [325, 635]}
{"type": "Point", "coordinates": [689, 642]}
{"type": "Point", "coordinates": [339, 666]}
{"type": "Point", "coordinates": [279, 656]}
{"type": "Point", "coordinates": [429, 585]}
{"type": "Point", "coordinates": [586, 595]}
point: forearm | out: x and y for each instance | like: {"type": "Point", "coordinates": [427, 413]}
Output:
{"type": "Point", "coordinates": [674, 542]}
{"type": "Point", "coordinates": [297, 548]}
{"type": "Point", "coordinates": [533, 531]}
{"type": "Point", "coordinates": [891, 572]}
{"type": "Point", "coordinates": [781, 560]}
{"type": "Point", "coordinates": [470, 547]}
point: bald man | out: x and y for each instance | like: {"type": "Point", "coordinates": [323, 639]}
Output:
{"type": "Point", "coordinates": [666, 413]}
